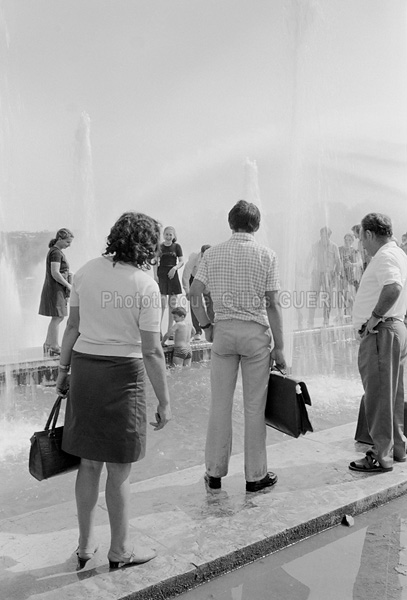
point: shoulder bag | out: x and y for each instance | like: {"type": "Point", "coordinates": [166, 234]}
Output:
{"type": "Point", "coordinates": [47, 458]}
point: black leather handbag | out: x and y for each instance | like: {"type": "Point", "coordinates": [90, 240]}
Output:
{"type": "Point", "coordinates": [47, 458]}
{"type": "Point", "coordinates": [286, 405]}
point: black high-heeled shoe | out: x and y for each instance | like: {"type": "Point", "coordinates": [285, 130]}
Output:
{"type": "Point", "coordinates": [84, 556]}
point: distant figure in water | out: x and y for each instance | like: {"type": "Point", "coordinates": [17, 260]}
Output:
{"type": "Point", "coordinates": [182, 333]}
{"type": "Point", "coordinates": [326, 268]}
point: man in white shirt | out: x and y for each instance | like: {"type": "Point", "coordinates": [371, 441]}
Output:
{"type": "Point", "coordinates": [378, 316]}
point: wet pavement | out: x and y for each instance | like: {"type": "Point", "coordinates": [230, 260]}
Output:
{"type": "Point", "coordinates": [367, 561]}
{"type": "Point", "coordinates": [198, 534]}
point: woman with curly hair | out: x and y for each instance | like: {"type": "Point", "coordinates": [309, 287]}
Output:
{"type": "Point", "coordinates": [112, 335]}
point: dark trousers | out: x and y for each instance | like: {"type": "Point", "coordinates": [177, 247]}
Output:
{"type": "Point", "coordinates": [209, 310]}
{"type": "Point", "coordinates": [381, 366]}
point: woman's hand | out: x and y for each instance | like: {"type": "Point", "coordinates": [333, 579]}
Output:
{"type": "Point", "coordinates": [171, 273]}
{"type": "Point", "coordinates": [162, 416]}
{"type": "Point", "coordinates": [62, 384]}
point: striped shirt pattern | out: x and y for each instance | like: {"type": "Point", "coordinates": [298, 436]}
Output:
{"type": "Point", "coordinates": [237, 273]}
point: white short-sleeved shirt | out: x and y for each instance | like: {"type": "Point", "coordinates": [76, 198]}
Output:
{"type": "Point", "coordinates": [237, 273]}
{"type": "Point", "coordinates": [388, 265]}
{"type": "Point", "coordinates": [115, 302]}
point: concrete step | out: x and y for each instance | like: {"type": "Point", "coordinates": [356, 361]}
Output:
{"type": "Point", "coordinates": [198, 534]}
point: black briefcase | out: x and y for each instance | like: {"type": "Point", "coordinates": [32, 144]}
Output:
{"type": "Point", "coordinates": [286, 405]}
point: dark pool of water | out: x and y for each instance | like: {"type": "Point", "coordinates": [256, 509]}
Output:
{"type": "Point", "coordinates": [365, 562]}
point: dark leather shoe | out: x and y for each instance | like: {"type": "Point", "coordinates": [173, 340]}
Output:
{"type": "Point", "coordinates": [214, 483]}
{"type": "Point", "coordinates": [267, 481]}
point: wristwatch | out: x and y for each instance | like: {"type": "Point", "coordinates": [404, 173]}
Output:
{"type": "Point", "coordinates": [205, 326]}
{"type": "Point", "coordinates": [376, 316]}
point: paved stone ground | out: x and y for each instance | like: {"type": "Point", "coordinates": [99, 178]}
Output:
{"type": "Point", "coordinates": [198, 534]}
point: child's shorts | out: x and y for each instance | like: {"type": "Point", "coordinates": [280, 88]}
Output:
{"type": "Point", "coordinates": [183, 352]}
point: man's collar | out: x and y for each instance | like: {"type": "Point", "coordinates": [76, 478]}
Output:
{"type": "Point", "coordinates": [242, 235]}
{"type": "Point", "coordinates": [383, 246]}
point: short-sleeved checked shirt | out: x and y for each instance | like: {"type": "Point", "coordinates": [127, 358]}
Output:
{"type": "Point", "coordinates": [237, 273]}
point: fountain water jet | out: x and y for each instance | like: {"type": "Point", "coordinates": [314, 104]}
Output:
{"type": "Point", "coordinates": [10, 305]}
{"type": "Point", "coordinates": [87, 243]}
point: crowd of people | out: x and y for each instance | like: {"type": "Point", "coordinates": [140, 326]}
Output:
{"type": "Point", "coordinates": [336, 272]}
{"type": "Point", "coordinates": [114, 336]}
{"type": "Point", "coordinates": [333, 274]}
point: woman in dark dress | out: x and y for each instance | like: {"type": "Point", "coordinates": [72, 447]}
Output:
{"type": "Point", "coordinates": [170, 261]}
{"type": "Point", "coordinates": [56, 289]}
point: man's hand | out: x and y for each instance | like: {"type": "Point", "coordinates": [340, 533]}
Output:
{"type": "Point", "coordinates": [371, 324]}
{"type": "Point", "coordinates": [209, 334]}
{"type": "Point", "coordinates": [278, 357]}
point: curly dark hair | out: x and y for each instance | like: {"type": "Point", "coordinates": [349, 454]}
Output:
{"type": "Point", "coordinates": [134, 239]}
{"type": "Point", "coordinates": [378, 223]}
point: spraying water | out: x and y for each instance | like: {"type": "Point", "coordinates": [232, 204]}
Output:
{"type": "Point", "coordinates": [87, 243]}
{"type": "Point", "coordinates": [10, 306]}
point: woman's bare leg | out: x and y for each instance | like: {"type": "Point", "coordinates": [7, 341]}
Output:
{"type": "Point", "coordinates": [53, 332]}
{"type": "Point", "coordinates": [118, 501]}
{"type": "Point", "coordinates": [87, 493]}
{"type": "Point", "coordinates": [163, 307]}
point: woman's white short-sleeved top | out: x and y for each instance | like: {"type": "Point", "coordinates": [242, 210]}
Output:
{"type": "Point", "coordinates": [115, 301]}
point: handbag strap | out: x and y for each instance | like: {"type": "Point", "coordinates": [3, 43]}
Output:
{"type": "Point", "coordinates": [53, 416]}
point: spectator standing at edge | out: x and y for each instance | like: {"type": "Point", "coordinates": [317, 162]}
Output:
{"type": "Point", "coordinates": [110, 344]}
{"type": "Point", "coordinates": [378, 315]}
{"type": "Point", "coordinates": [243, 280]}
{"type": "Point", "coordinates": [56, 289]}
{"type": "Point", "coordinates": [170, 260]}
{"type": "Point", "coordinates": [188, 275]}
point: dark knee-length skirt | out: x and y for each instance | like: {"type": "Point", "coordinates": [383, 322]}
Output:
{"type": "Point", "coordinates": [168, 287]}
{"type": "Point", "coordinates": [105, 417]}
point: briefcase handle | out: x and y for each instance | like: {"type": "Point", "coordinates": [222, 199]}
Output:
{"type": "Point", "coordinates": [276, 367]}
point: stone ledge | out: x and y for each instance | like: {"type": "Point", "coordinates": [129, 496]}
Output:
{"type": "Point", "coordinates": [198, 534]}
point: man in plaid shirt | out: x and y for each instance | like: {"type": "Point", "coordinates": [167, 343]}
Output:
{"type": "Point", "coordinates": [243, 280]}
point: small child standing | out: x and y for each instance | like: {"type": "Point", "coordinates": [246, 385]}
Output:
{"type": "Point", "coordinates": [182, 334]}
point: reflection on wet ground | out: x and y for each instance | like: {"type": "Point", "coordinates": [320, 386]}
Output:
{"type": "Point", "coordinates": [335, 401]}
{"type": "Point", "coordinates": [325, 359]}
{"type": "Point", "coordinates": [365, 562]}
